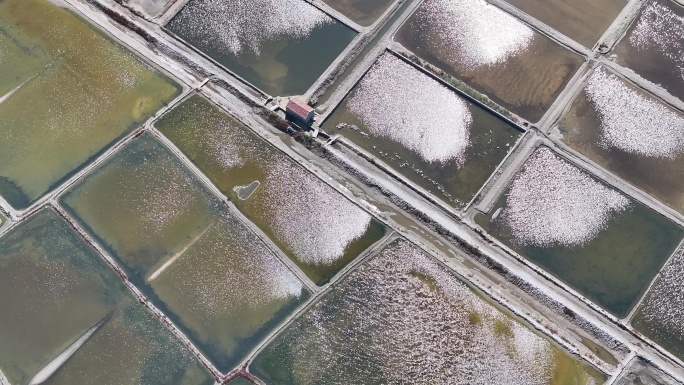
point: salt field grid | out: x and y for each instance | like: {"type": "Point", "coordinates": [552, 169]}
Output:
{"type": "Point", "coordinates": [652, 46]}
{"type": "Point", "coordinates": [642, 372]}
{"type": "Point", "coordinates": [318, 228]}
{"type": "Point", "coordinates": [630, 133]}
{"type": "Point", "coordinates": [269, 43]}
{"type": "Point", "coordinates": [402, 315]}
{"type": "Point", "coordinates": [492, 52]}
{"type": "Point", "coordinates": [601, 243]}
{"type": "Point", "coordinates": [584, 21]}
{"type": "Point", "coordinates": [68, 319]}
{"type": "Point", "coordinates": [424, 130]}
{"type": "Point", "coordinates": [69, 92]}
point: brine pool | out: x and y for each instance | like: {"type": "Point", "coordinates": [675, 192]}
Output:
{"type": "Point", "coordinates": [318, 228]}
{"type": "Point", "coordinates": [67, 92]}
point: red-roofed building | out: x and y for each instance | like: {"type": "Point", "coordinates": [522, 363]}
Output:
{"type": "Point", "coordinates": [300, 111]}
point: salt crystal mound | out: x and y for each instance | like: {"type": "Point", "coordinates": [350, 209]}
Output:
{"type": "Point", "coordinates": [240, 25]}
{"type": "Point", "coordinates": [664, 305]}
{"type": "Point", "coordinates": [551, 202]}
{"type": "Point", "coordinates": [249, 278]}
{"type": "Point", "coordinates": [474, 32]}
{"type": "Point", "coordinates": [634, 122]}
{"type": "Point", "coordinates": [396, 101]}
{"type": "Point", "coordinates": [661, 30]}
{"type": "Point", "coordinates": [411, 318]}
{"type": "Point", "coordinates": [315, 221]}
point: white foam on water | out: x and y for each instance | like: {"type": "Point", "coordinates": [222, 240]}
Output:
{"type": "Point", "coordinates": [239, 25]}
{"type": "Point", "coordinates": [474, 32]}
{"type": "Point", "coordinates": [551, 202]}
{"type": "Point", "coordinates": [664, 305]}
{"type": "Point", "coordinates": [396, 101]}
{"type": "Point", "coordinates": [661, 29]}
{"type": "Point", "coordinates": [632, 121]}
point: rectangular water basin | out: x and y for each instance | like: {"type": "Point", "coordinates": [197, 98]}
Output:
{"type": "Point", "coordinates": [318, 228]}
{"type": "Point", "coordinates": [402, 315]}
{"type": "Point", "coordinates": [363, 12]}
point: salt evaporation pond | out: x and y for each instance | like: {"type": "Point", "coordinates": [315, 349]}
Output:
{"type": "Point", "coordinates": [239, 381]}
{"type": "Point", "coordinates": [55, 288]}
{"type": "Point", "coordinates": [661, 315]}
{"type": "Point", "coordinates": [151, 8]}
{"type": "Point", "coordinates": [363, 12]}
{"type": "Point", "coordinates": [316, 226]}
{"type": "Point", "coordinates": [585, 21]}
{"type": "Point", "coordinates": [402, 315]}
{"type": "Point", "coordinates": [603, 244]}
{"type": "Point", "coordinates": [78, 92]}
{"type": "Point", "coordinates": [279, 46]}
{"type": "Point", "coordinates": [424, 130]}
{"type": "Point", "coordinates": [630, 133]}
{"type": "Point", "coordinates": [212, 276]}
{"type": "Point", "coordinates": [490, 50]}
{"type": "Point", "coordinates": [642, 372]}
{"type": "Point", "coordinates": [653, 45]}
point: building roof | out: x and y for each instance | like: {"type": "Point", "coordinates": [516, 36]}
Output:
{"type": "Point", "coordinates": [299, 108]}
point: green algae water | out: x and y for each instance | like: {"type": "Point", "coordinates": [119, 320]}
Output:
{"type": "Point", "coordinates": [317, 227]}
{"type": "Point", "coordinates": [75, 92]}
{"type": "Point", "coordinates": [55, 287]}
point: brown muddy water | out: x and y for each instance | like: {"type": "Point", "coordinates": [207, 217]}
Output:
{"type": "Point", "coordinates": [456, 146]}
{"type": "Point", "coordinates": [584, 21]}
{"type": "Point", "coordinates": [492, 52]}
{"type": "Point", "coordinates": [55, 288]}
{"type": "Point", "coordinates": [319, 229]}
{"type": "Point", "coordinates": [279, 47]}
{"type": "Point", "coordinates": [401, 315]}
{"type": "Point", "coordinates": [362, 12]}
{"type": "Point", "coordinates": [639, 143]}
{"type": "Point", "coordinates": [601, 243]}
{"type": "Point", "coordinates": [652, 47]}
{"type": "Point", "coordinates": [80, 92]}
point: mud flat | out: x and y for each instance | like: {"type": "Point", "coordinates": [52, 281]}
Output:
{"type": "Point", "coordinates": [653, 46]}
{"type": "Point", "coordinates": [598, 241]}
{"type": "Point", "coordinates": [491, 51]}
{"type": "Point", "coordinates": [362, 12]}
{"type": "Point", "coordinates": [280, 47]}
{"type": "Point", "coordinates": [630, 133]}
{"type": "Point", "coordinates": [87, 92]}
{"type": "Point", "coordinates": [661, 315]}
{"type": "Point", "coordinates": [401, 315]}
{"type": "Point", "coordinates": [585, 21]}
{"type": "Point", "coordinates": [319, 229]}
{"type": "Point", "coordinates": [427, 132]}
{"type": "Point", "coordinates": [641, 372]}
{"type": "Point", "coordinates": [55, 288]}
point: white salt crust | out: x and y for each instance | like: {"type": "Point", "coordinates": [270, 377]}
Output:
{"type": "Point", "coordinates": [239, 25]}
{"type": "Point", "coordinates": [398, 102]}
{"type": "Point", "coordinates": [474, 32]}
{"type": "Point", "coordinates": [315, 221]}
{"type": "Point", "coordinates": [412, 319]}
{"type": "Point", "coordinates": [632, 121]}
{"type": "Point", "coordinates": [662, 30]}
{"type": "Point", "coordinates": [551, 202]}
{"type": "Point", "coordinates": [665, 302]}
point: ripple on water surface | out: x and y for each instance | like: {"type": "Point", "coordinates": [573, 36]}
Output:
{"type": "Point", "coordinates": [630, 133]}
{"type": "Point", "coordinates": [424, 130]}
{"type": "Point", "coordinates": [401, 315]}
{"type": "Point", "coordinates": [267, 42]}
{"type": "Point", "coordinates": [589, 235]}
{"type": "Point", "coordinates": [55, 288]}
{"type": "Point", "coordinates": [316, 226]}
{"type": "Point", "coordinates": [492, 51]}
{"type": "Point", "coordinates": [78, 92]}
